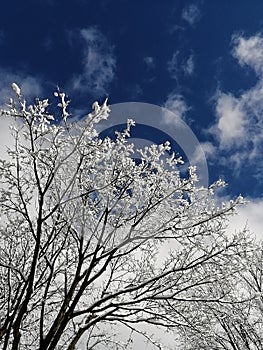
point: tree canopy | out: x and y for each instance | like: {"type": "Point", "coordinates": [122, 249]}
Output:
{"type": "Point", "coordinates": [92, 242]}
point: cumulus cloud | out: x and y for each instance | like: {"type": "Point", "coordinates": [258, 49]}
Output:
{"type": "Point", "coordinates": [231, 120]}
{"type": "Point", "coordinates": [176, 104]}
{"type": "Point", "coordinates": [239, 125]}
{"type": "Point", "coordinates": [249, 51]}
{"type": "Point", "coordinates": [98, 64]}
{"type": "Point", "coordinates": [239, 121]}
{"type": "Point", "coordinates": [191, 14]}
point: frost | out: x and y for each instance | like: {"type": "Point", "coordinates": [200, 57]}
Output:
{"type": "Point", "coordinates": [98, 241]}
{"type": "Point", "coordinates": [16, 89]}
{"type": "Point", "coordinates": [96, 107]}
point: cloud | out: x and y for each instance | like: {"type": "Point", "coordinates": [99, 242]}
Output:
{"type": "Point", "coordinates": [191, 14]}
{"type": "Point", "coordinates": [149, 61]}
{"type": "Point", "coordinates": [249, 51]}
{"type": "Point", "coordinates": [176, 104]}
{"type": "Point", "coordinates": [249, 215]}
{"type": "Point", "coordinates": [173, 66]}
{"type": "Point", "coordinates": [179, 65]}
{"type": "Point", "coordinates": [6, 139]}
{"type": "Point", "coordinates": [188, 67]}
{"type": "Point", "coordinates": [239, 125]}
{"type": "Point", "coordinates": [209, 150]}
{"type": "Point", "coordinates": [98, 63]}
{"type": "Point", "coordinates": [31, 86]}
{"type": "Point", "coordinates": [231, 120]}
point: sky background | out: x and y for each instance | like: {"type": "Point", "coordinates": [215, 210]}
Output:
{"type": "Point", "coordinates": [203, 60]}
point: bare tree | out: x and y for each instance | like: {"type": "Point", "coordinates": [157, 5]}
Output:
{"type": "Point", "coordinates": [90, 240]}
{"type": "Point", "coordinates": [236, 322]}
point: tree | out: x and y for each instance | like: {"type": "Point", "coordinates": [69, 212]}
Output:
{"type": "Point", "coordinates": [84, 230]}
{"type": "Point", "coordinates": [236, 324]}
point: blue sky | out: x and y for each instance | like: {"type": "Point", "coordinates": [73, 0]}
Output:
{"type": "Point", "coordinates": [203, 60]}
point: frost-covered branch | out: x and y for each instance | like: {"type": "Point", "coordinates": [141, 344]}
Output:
{"type": "Point", "coordinates": [91, 239]}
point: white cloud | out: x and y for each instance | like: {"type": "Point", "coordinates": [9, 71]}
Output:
{"type": "Point", "coordinates": [231, 120]}
{"type": "Point", "coordinates": [208, 148]}
{"type": "Point", "coordinates": [176, 104]}
{"type": "Point", "coordinates": [201, 152]}
{"type": "Point", "coordinates": [31, 87]}
{"type": "Point", "coordinates": [239, 121]}
{"type": "Point", "coordinates": [149, 61]}
{"type": "Point", "coordinates": [191, 14]}
{"type": "Point", "coordinates": [249, 215]}
{"type": "Point", "coordinates": [178, 65]}
{"type": "Point", "coordinates": [172, 65]}
{"type": "Point", "coordinates": [6, 140]}
{"type": "Point", "coordinates": [98, 65]}
{"type": "Point", "coordinates": [188, 67]}
{"type": "Point", "coordinates": [249, 51]}
{"type": "Point", "coordinates": [239, 125]}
